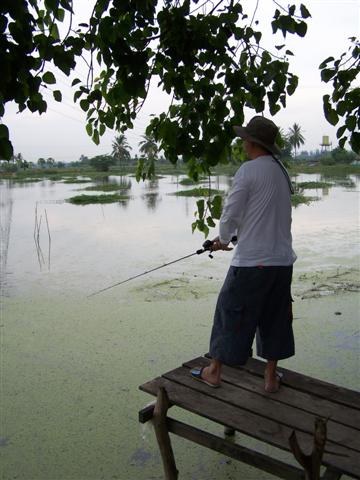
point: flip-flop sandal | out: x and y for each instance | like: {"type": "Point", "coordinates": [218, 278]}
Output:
{"type": "Point", "coordinates": [196, 374]}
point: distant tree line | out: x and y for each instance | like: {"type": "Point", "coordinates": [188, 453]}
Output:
{"type": "Point", "coordinates": [289, 141]}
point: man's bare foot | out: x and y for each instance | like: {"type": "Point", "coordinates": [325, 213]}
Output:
{"type": "Point", "coordinates": [272, 377]}
{"type": "Point", "coordinates": [272, 382]}
{"type": "Point", "coordinates": [211, 375]}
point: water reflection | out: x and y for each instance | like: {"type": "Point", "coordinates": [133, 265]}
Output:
{"type": "Point", "coordinates": [340, 180]}
{"type": "Point", "coordinates": [121, 182]}
{"type": "Point", "coordinates": [152, 199]}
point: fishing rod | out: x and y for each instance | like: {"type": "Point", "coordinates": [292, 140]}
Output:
{"type": "Point", "coordinates": [206, 248]}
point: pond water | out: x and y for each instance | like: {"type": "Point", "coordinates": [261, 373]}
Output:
{"type": "Point", "coordinates": [71, 365]}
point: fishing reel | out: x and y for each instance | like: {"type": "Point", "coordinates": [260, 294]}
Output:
{"type": "Point", "coordinates": [207, 245]}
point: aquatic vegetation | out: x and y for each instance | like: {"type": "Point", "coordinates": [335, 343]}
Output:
{"type": "Point", "coordinates": [298, 199]}
{"type": "Point", "coordinates": [198, 192]}
{"type": "Point", "coordinates": [76, 180]}
{"type": "Point", "coordinates": [312, 185]}
{"type": "Point", "coordinates": [90, 199]}
{"type": "Point", "coordinates": [107, 187]}
{"type": "Point", "coordinates": [189, 181]}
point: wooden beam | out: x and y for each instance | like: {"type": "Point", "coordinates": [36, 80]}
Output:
{"type": "Point", "coordinates": [162, 435]}
{"type": "Point", "coordinates": [237, 452]}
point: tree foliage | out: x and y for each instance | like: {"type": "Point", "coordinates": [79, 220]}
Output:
{"type": "Point", "coordinates": [207, 56]}
{"type": "Point", "coordinates": [295, 137]}
{"type": "Point", "coordinates": [121, 148]}
{"type": "Point", "coordinates": [344, 102]}
{"type": "Point", "coordinates": [102, 163]}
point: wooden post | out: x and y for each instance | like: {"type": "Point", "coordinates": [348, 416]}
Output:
{"type": "Point", "coordinates": [162, 435]}
{"type": "Point", "coordinates": [311, 463]}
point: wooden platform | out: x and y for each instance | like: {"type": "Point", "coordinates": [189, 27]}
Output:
{"type": "Point", "coordinates": [242, 404]}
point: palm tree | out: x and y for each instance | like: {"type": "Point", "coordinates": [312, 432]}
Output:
{"type": "Point", "coordinates": [149, 147]}
{"type": "Point", "coordinates": [295, 137]}
{"type": "Point", "coordinates": [121, 149]}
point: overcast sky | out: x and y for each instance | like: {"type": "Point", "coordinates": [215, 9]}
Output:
{"type": "Point", "coordinates": [60, 133]}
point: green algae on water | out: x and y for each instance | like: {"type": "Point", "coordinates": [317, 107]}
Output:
{"type": "Point", "coordinates": [198, 192]}
{"type": "Point", "coordinates": [109, 187]}
{"type": "Point", "coordinates": [76, 180]}
{"type": "Point", "coordinates": [91, 199]}
{"type": "Point", "coordinates": [313, 185]}
{"type": "Point", "coordinates": [298, 199]}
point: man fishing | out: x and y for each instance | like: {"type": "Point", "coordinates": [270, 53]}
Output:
{"type": "Point", "coordinates": [256, 296]}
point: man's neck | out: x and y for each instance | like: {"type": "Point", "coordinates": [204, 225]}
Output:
{"type": "Point", "coordinates": [258, 154]}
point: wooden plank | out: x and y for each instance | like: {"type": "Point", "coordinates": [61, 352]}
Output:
{"type": "Point", "coordinates": [301, 400]}
{"type": "Point", "coordinates": [255, 426]}
{"type": "Point", "coordinates": [250, 457]}
{"type": "Point", "coordinates": [305, 383]}
{"type": "Point", "coordinates": [268, 407]}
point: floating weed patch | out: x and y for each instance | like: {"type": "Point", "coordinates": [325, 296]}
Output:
{"type": "Point", "coordinates": [76, 180]}
{"type": "Point", "coordinates": [298, 199]}
{"type": "Point", "coordinates": [309, 185]}
{"type": "Point", "coordinates": [198, 192]}
{"type": "Point", "coordinates": [107, 187]}
{"type": "Point", "coordinates": [190, 181]}
{"type": "Point", "coordinates": [90, 199]}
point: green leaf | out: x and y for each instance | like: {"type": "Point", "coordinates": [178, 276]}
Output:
{"type": "Point", "coordinates": [54, 31]}
{"type": "Point", "coordinates": [304, 11]}
{"type": "Point", "coordinates": [350, 123]}
{"type": "Point", "coordinates": [102, 129]}
{"type": "Point", "coordinates": [301, 29]}
{"type": "Point", "coordinates": [327, 74]}
{"type": "Point", "coordinates": [95, 137]}
{"type": "Point", "coordinates": [49, 78]}
{"type": "Point", "coordinates": [340, 132]}
{"type": "Point", "coordinates": [200, 206]}
{"type": "Point", "coordinates": [4, 131]}
{"type": "Point", "coordinates": [57, 95]}
{"type": "Point", "coordinates": [75, 82]}
{"type": "Point", "coordinates": [89, 129]}
{"type": "Point", "coordinates": [325, 62]}
{"type": "Point", "coordinates": [60, 14]}
{"type": "Point", "coordinates": [355, 142]}
{"type": "Point", "coordinates": [6, 149]}
{"type": "Point", "coordinates": [210, 222]}
{"type": "Point", "coordinates": [84, 104]}
{"type": "Point", "coordinates": [331, 116]}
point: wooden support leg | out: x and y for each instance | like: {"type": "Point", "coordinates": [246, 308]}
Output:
{"type": "Point", "coordinates": [229, 432]}
{"type": "Point", "coordinates": [311, 463]}
{"type": "Point", "coordinates": [162, 435]}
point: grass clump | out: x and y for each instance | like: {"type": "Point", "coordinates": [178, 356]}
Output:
{"type": "Point", "coordinates": [198, 192]}
{"type": "Point", "coordinates": [312, 185]}
{"type": "Point", "coordinates": [76, 180]}
{"type": "Point", "coordinates": [108, 187]}
{"type": "Point", "coordinates": [298, 199]}
{"type": "Point", "coordinates": [91, 199]}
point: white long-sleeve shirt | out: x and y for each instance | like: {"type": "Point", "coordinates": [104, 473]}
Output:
{"type": "Point", "coordinates": [258, 211]}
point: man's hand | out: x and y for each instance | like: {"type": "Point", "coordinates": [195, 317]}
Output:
{"type": "Point", "coordinates": [217, 245]}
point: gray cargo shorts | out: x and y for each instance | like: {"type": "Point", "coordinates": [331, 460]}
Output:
{"type": "Point", "coordinates": [253, 300]}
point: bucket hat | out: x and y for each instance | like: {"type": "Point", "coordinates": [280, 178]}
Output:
{"type": "Point", "coordinates": [260, 130]}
